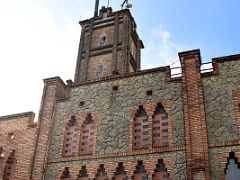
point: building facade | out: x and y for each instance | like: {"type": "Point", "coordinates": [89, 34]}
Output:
{"type": "Point", "coordinates": [116, 121]}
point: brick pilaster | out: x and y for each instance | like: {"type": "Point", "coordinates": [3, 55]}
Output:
{"type": "Point", "coordinates": [54, 88]}
{"type": "Point", "coordinates": [194, 116]}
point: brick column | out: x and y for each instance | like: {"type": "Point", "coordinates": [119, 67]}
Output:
{"type": "Point", "coordinates": [194, 116]}
{"type": "Point", "coordinates": [54, 89]}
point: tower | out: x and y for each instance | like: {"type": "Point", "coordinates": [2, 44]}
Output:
{"type": "Point", "coordinates": [109, 45]}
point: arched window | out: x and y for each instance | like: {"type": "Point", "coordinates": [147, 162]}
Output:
{"type": "Point", "coordinates": [120, 173]}
{"type": "Point", "coordinates": [1, 162]}
{"type": "Point", "coordinates": [140, 172]}
{"type": "Point", "coordinates": [232, 171]}
{"type": "Point", "coordinates": [160, 128]}
{"type": "Point", "coordinates": [160, 171]}
{"type": "Point", "coordinates": [66, 173]}
{"type": "Point", "coordinates": [102, 40]}
{"type": "Point", "coordinates": [83, 174]}
{"type": "Point", "coordinates": [71, 138]}
{"type": "Point", "coordinates": [10, 167]}
{"type": "Point", "coordinates": [140, 130]}
{"type": "Point", "coordinates": [101, 173]}
{"type": "Point", "coordinates": [87, 136]}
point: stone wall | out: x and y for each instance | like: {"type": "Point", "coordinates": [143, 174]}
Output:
{"type": "Point", "coordinates": [219, 102]}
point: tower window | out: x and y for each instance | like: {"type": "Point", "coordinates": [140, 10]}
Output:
{"type": "Point", "coordinates": [81, 103]}
{"type": "Point", "coordinates": [102, 40]}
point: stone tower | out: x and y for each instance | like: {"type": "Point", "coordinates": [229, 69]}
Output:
{"type": "Point", "coordinates": [109, 45]}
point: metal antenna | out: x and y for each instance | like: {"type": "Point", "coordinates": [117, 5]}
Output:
{"type": "Point", "coordinates": [124, 2]}
{"type": "Point", "coordinates": [96, 8]}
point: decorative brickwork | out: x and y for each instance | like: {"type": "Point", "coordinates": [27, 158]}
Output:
{"type": "Point", "coordinates": [195, 124]}
{"type": "Point", "coordinates": [224, 161]}
{"type": "Point", "coordinates": [130, 169]}
{"type": "Point", "coordinates": [151, 126]}
{"type": "Point", "coordinates": [79, 135]}
{"type": "Point", "coordinates": [10, 167]}
{"type": "Point", "coordinates": [236, 99]}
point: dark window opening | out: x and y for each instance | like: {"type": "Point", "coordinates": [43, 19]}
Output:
{"type": "Point", "coordinates": [81, 103]}
{"type": "Point", "coordinates": [149, 93]}
{"type": "Point", "coordinates": [115, 88]}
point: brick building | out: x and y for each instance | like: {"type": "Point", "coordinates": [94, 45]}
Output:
{"type": "Point", "coordinates": [116, 121]}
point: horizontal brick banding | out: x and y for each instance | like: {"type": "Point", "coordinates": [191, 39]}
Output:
{"type": "Point", "coordinates": [115, 155]}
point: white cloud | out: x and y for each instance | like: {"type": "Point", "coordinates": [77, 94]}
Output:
{"type": "Point", "coordinates": [160, 50]}
{"type": "Point", "coordinates": [33, 47]}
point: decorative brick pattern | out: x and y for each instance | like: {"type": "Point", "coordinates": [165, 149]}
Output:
{"type": "Point", "coordinates": [194, 114]}
{"type": "Point", "coordinates": [236, 99]}
{"type": "Point", "coordinates": [130, 169]}
{"type": "Point", "coordinates": [85, 134]}
{"type": "Point", "coordinates": [223, 156]}
{"type": "Point", "coordinates": [10, 167]}
{"type": "Point", "coordinates": [151, 127]}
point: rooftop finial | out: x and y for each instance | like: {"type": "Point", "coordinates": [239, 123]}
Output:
{"type": "Point", "coordinates": [128, 5]}
{"type": "Point", "coordinates": [96, 8]}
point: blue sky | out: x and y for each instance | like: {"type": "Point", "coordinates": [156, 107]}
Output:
{"type": "Point", "coordinates": [39, 39]}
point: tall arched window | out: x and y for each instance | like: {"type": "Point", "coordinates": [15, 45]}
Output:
{"type": "Point", "coordinates": [10, 167]}
{"type": "Point", "coordinates": [140, 172]}
{"type": "Point", "coordinates": [141, 130]}
{"type": "Point", "coordinates": [87, 136]}
{"type": "Point", "coordinates": [71, 138]}
{"type": "Point", "coordinates": [101, 173]}
{"type": "Point", "coordinates": [232, 171]}
{"type": "Point", "coordinates": [1, 162]}
{"type": "Point", "coordinates": [120, 173]}
{"type": "Point", "coordinates": [160, 171]}
{"type": "Point", "coordinates": [160, 127]}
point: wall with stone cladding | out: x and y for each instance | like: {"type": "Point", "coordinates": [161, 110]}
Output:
{"type": "Point", "coordinates": [113, 108]}
{"type": "Point", "coordinates": [219, 102]}
{"type": "Point", "coordinates": [175, 164]}
{"type": "Point", "coordinates": [18, 132]}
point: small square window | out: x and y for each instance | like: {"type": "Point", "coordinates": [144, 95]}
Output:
{"type": "Point", "coordinates": [91, 133]}
{"type": "Point", "coordinates": [156, 122]}
{"type": "Point", "coordinates": [149, 93]}
{"type": "Point", "coordinates": [137, 124]}
{"type": "Point", "coordinates": [137, 130]}
{"type": "Point", "coordinates": [85, 137]}
{"type": "Point", "coordinates": [91, 140]}
{"type": "Point", "coordinates": [156, 141]}
{"type": "Point", "coordinates": [115, 88]}
{"type": "Point", "coordinates": [165, 130]}
{"type": "Point", "coordinates": [81, 103]}
{"type": "Point", "coordinates": [156, 128]}
{"type": "Point", "coordinates": [165, 137]}
{"type": "Point", "coordinates": [137, 144]}
{"type": "Point", "coordinates": [84, 143]}
{"type": "Point", "coordinates": [145, 133]}
{"type": "Point", "coordinates": [145, 126]}
{"type": "Point", "coordinates": [164, 118]}
{"type": "Point", "coordinates": [85, 131]}
{"type": "Point", "coordinates": [145, 120]}
{"type": "Point", "coordinates": [165, 124]}
{"type": "Point", "coordinates": [156, 135]}
{"type": "Point", "coordinates": [145, 139]}
{"type": "Point", "coordinates": [137, 137]}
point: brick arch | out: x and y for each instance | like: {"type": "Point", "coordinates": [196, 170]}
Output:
{"type": "Point", "coordinates": [224, 157]}
{"type": "Point", "coordinates": [10, 167]}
